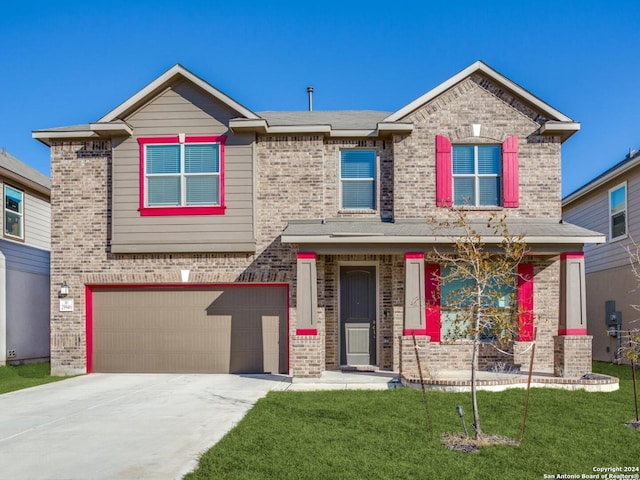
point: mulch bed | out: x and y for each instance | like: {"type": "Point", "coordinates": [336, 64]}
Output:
{"type": "Point", "coordinates": [461, 443]}
{"type": "Point", "coordinates": [633, 424]}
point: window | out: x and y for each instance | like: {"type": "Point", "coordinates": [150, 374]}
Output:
{"type": "Point", "coordinates": [358, 179]}
{"type": "Point", "coordinates": [459, 292]}
{"type": "Point", "coordinates": [13, 213]}
{"type": "Point", "coordinates": [618, 212]}
{"type": "Point", "coordinates": [181, 175]}
{"type": "Point", "coordinates": [476, 175]}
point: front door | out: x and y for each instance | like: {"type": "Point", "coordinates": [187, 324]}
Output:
{"type": "Point", "coordinates": [358, 315]}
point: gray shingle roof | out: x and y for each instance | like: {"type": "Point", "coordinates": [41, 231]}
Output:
{"type": "Point", "coordinates": [535, 230]}
{"type": "Point", "coordinates": [14, 165]}
{"type": "Point", "coordinates": [338, 119]}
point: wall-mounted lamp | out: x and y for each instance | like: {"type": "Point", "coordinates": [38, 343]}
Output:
{"type": "Point", "coordinates": [64, 290]}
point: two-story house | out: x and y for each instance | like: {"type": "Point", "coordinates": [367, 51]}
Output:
{"type": "Point", "coordinates": [196, 235]}
{"type": "Point", "coordinates": [609, 203]}
{"type": "Point", "coordinates": [24, 262]}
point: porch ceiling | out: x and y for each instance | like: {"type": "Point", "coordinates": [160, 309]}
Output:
{"type": "Point", "coordinates": [543, 236]}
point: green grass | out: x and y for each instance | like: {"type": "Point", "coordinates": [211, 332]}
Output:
{"type": "Point", "coordinates": [24, 376]}
{"type": "Point", "coordinates": [382, 434]}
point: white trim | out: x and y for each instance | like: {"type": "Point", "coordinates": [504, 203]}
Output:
{"type": "Point", "coordinates": [160, 82]}
{"type": "Point", "coordinates": [376, 182]}
{"type": "Point", "coordinates": [358, 263]}
{"type": "Point", "coordinates": [492, 74]}
{"type": "Point", "coordinates": [589, 187]}
{"type": "Point", "coordinates": [626, 213]}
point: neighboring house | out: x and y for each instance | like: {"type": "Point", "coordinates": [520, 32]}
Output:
{"type": "Point", "coordinates": [24, 262]}
{"type": "Point", "coordinates": [196, 235]}
{"type": "Point", "coordinates": [610, 203]}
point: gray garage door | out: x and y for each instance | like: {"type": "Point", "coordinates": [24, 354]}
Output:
{"type": "Point", "coordinates": [239, 329]}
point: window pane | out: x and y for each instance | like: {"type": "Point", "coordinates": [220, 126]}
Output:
{"type": "Point", "coordinates": [163, 158]}
{"type": "Point", "coordinates": [618, 200]}
{"type": "Point", "coordinates": [463, 159]}
{"type": "Point", "coordinates": [490, 191]}
{"type": "Point", "coordinates": [618, 225]}
{"type": "Point", "coordinates": [358, 194]}
{"type": "Point", "coordinates": [463, 191]}
{"type": "Point", "coordinates": [357, 163]}
{"type": "Point", "coordinates": [163, 191]}
{"type": "Point", "coordinates": [203, 190]}
{"type": "Point", "coordinates": [12, 199]}
{"type": "Point", "coordinates": [489, 159]}
{"type": "Point", "coordinates": [13, 224]}
{"type": "Point", "coordinates": [201, 158]}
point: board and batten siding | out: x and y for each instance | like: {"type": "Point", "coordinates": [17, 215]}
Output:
{"type": "Point", "coordinates": [592, 212]}
{"type": "Point", "coordinates": [37, 219]}
{"type": "Point", "coordinates": [183, 108]}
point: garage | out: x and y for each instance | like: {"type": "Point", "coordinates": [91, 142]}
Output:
{"type": "Point", "coordinates": [196, 329]}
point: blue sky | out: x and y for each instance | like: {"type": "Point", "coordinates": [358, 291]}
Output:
{"type": "Point", "coordinates": [70, 62]}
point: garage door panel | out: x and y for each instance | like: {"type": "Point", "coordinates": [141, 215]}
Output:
{"type": "Point", "coordinates": [190, 330]}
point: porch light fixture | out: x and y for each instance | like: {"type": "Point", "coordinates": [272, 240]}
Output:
{"type": "Point", "coordinates": [64, 290]}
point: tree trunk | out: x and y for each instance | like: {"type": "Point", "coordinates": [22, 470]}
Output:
{"type": "Point", "coordinates": [474, 364]}
{"type": "Point", "coordinates": [474, 397]}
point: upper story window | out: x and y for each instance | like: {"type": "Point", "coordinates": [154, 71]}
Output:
{"type": "Point", "coordinates": [13, 213]}
{"type": "Point", "coordinates": [618, 212]}
{"type": "Point", "coordinates": [182, 175]}
{"type": "Point", "coordinates": [358, 179]}
{"type": "Point", "coordinates": [477, 175]}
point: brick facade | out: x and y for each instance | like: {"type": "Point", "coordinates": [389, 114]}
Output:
{"type": "Point", "coordinates": [297, 178]}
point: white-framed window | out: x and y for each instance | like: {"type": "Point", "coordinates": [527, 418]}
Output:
{"type": "Point", "coordinates": [477, 175]}
{"type": "Point", "coordinates": [182, 175]}
{"type": "Point", "coordinates": [358, 179]}
{"type": "Point", "coordinates": [13, 213]}
{"type": "Point", "coordinates": [618, 212]}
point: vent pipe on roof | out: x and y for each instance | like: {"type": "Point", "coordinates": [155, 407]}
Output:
{"type": "Point", "coordinates": [310, 92]}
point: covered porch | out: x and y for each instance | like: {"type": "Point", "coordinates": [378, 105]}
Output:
{"type": "Point", "coordinates": [362, 294]}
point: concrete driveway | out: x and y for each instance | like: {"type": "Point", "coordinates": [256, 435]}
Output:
{"type": "Point", "coordinates": [104, 426]}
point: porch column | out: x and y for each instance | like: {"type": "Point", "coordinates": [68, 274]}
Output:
{"type": "Point", "coordinates": [573, 307]}
{"type": "Point", "coordinates": [307, 295]}
{"type": "Point", "coordinates": [572, 345]}
{"type": "Point", "coordinates": [414, 301]}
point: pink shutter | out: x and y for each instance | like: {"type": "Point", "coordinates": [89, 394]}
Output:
{"type": "Point", "coordinates": [444, 175]}
{"type": "Point", "coordinates": [525, 302]}
{"type": "Point", "coordinates": [432, 300]}
{"type": "Point", "coordinates": [510, 190]}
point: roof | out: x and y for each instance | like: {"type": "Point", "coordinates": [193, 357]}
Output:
{"type": "Point", "coordinates": [489, 72]}
{"type": "Point", "coordinates": [337, 119]}
{"type": "Point", "coordinates": [618, 169]}
{"type": "Point", "coordinates": [20, 172]}
{"type": "Point", "coordinates": [422, 232]}
{"type": "Point", "coordinates": [343, 123]}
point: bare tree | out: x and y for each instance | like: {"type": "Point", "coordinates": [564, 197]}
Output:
{"type": "Point", "coordinates": [630, 345]}
{"type": "Point", "coordinates": [478, 282]}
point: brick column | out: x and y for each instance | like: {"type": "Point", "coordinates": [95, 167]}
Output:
{"type": "Point", "coordinates": [572, 346]}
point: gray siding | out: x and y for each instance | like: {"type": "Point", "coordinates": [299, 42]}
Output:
{"type": "Point", "coordinates": [37, 219]}
{"type": "Point", "coordinates": [183, 108]}
{"type": "Point", "coordinates": [24, 258]}
{"type": "Point", "coordinates": [592, 211]}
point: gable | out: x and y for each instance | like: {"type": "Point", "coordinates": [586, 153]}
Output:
{"type": "Point", "coordinates": [551, 121]}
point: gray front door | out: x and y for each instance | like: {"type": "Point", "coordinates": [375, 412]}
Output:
{"type": "Point", "coordinates": [358, 315]}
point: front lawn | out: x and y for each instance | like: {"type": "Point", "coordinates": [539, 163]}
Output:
{"type": "Point", "coordinates": [24, 376]}
{"type": "Point", "coordinates": [357, 434]}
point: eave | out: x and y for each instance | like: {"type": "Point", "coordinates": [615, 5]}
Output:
{"type": "Point", "coordinates": [261, 126]}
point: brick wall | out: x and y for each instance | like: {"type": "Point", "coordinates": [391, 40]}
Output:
{"type": "Point", "coordinates": [572, 355]}
{"type": "Point", "coordinates": [472, 101]}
